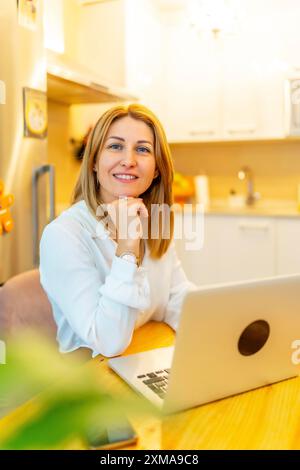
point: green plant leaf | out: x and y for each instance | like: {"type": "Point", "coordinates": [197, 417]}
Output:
{"type": "Point", "coordinates": [62, 420]}
{"type": "Point", "coordinates": [70, 402]}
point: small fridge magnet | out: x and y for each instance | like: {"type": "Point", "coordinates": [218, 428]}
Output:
{"type": "Point", "coordinates": [35, 113]}
{"type": "Point", "coordinates": [27, 13]}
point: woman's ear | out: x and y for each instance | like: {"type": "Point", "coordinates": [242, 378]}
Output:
{"type": "Point", "coordinates": [156, 173]}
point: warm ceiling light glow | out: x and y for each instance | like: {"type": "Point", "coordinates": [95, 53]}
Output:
{"type": "Point", "coordinates": [214, 16]}
{"type": "Point", "coordinates": [241, 175]}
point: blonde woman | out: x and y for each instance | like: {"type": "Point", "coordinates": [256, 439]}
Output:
{"type": "Point", "coordinates": [102, 286]}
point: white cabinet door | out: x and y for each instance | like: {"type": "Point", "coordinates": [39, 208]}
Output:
{"type": "Point", "coordinates": [246, 248]}
{"type": "Point", "coordinates": [271, 106]}
{"type": "Point", "coordinates": [201, 265]}
{"type": "Point", "coordinates": [234, 249]}
{"type": "Point", "coordinates": [288, 248]}
{"type": "Point", "coordinates": [240, 103]}
{"type": "Point", "coordinates": [193, 88]}
{"type": "Point", "coordinates": [287, 34]}
{"type": "Point", "coordinates": [204, 92]}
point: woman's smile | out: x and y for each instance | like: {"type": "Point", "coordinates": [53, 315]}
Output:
{"type": "Point", "coordinates": [125, 177]}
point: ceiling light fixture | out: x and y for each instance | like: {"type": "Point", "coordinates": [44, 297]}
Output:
{"type": "Point", "coordinates": [214, 16]}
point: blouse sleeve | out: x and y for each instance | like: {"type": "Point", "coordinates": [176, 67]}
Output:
{"type": "Point", "coordinates": [101, 312]}
{"type": "Point", "coordinates": [179, 287]}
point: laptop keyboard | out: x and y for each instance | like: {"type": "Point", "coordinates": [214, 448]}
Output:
{"type": "Point", "coordinates": [157, 381]}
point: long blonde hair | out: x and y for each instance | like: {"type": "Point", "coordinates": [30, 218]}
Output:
{"type": "Point", "coordinates": [160, 191]}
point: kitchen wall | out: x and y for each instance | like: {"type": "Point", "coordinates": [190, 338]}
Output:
{"type": "Point", "coordinates": [276, 166]}
{"type": "Point", "coordinates": [60, 153]}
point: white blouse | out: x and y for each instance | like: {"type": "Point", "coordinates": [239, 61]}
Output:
{"type": "Point", "coordinates": [97, 298]}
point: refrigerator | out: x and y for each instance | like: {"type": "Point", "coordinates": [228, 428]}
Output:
{"type": "Point", "coordinates": [23, 134]}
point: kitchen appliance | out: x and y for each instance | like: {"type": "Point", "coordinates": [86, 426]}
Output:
{"type": "Point", "coordinates": [23, 165]}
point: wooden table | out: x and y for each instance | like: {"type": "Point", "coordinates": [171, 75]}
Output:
{"type": "Point", "coordinates": [266, 418]}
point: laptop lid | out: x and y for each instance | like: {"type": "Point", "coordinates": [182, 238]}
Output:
{"type": "Point", "coordinates": [233, 338]}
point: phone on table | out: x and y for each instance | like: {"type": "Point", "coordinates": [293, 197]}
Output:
{"type": "Point", "coordinates": [112, 436]}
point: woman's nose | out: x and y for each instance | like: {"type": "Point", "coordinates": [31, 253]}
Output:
{"type": "Point", "coordinates": [129, 158]}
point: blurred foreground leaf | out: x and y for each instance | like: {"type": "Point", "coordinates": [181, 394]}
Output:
{"type": "Point", "coordinates": [70, 398]}
{"type": "Point", "coordinates": [32, 363]}
{"type": "Point", "coordinates": [62, 420]}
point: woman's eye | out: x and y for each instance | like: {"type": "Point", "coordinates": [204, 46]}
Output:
{"type": "Point", "coordinates": [144, 149]}
{"type": "Point", "coordinates": [115, 146]}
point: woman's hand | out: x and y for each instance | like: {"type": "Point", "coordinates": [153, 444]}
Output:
{"type": "Point", "coordinates": [128, 216]}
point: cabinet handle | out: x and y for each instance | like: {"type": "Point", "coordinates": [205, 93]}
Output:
{"type": "Point", "coordinates": [203, 132]}
{"type": "Point", "coordinates": [36, 174]}
{"type": "Point", "coordinates": [242, 131]}
{"type": "Point", "coordinates": [253, 226]}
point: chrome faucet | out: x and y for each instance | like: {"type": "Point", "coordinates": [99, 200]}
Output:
{"type": "Point", "coordinates": [246, 174]}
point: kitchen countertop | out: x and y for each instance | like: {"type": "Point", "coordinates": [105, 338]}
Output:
{"type": "Point", "coordinates": [272, 208]}
{"type": "Point", "coordinates": [264, 208]}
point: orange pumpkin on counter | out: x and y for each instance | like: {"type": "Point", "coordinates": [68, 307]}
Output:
{"type": "Point", "coordinates": [6, 221]}
{"type": "Point", "coordinates": [183, 188]}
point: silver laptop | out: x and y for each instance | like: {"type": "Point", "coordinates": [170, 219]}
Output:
{"type": "Point", "coordinates": [231, 338]}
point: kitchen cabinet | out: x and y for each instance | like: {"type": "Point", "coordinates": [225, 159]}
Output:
{"type": "Point", "coordinates": [193, 90]}
{"type": "Point", "coordinates": [240, 248]}
{"type": "Point", "coordinates": [288, 249]}
{"type": "Point", "coordinates": [240, 102]}
{"type": "Point", "coordinates": [94, 36]}
{"type": "Point", "coordinates": [253, 90]}
{"type": "Point", "coordinates": [218, 94]}
{"type": "Point", "coordinates": [68, 83]}
{"type": "Point", "coordinates": [287, 29]}
{"type": "Point", "coordinates": [234, 249]}
{"type": "Point", "coordinates": [201, 266]}
{"type": "Point", "coordinates": [225, 88]}
{"type": "Point", "coordinates": [83, 70]}
{"type": "Point", "coordinates": [246, 248]}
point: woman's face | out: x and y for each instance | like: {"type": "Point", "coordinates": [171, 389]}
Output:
{"type": "Point", "coordinates": [128, 150]}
